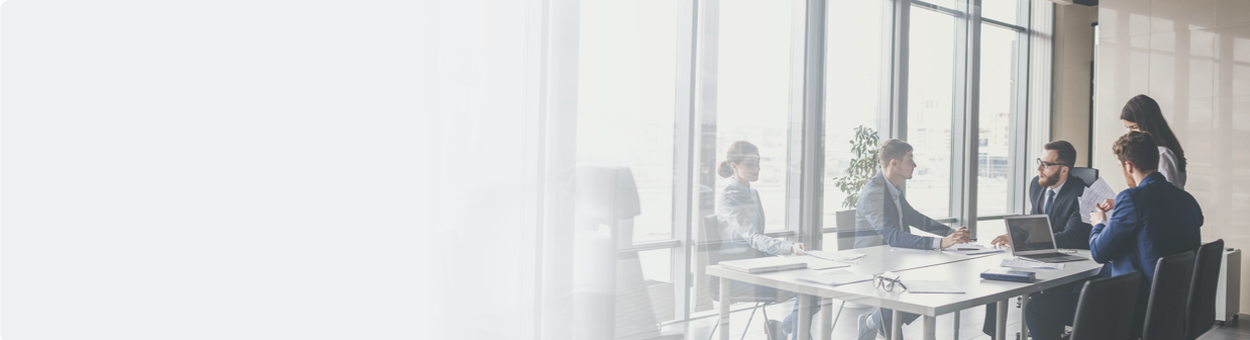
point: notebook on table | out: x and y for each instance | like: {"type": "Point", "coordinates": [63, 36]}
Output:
{"type": "Point", "coordinates": [1032, 238]}
{"type": "Point", "coordinates": [765, 264]}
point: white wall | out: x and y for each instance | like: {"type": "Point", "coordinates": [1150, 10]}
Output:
{"type": "Point", "coordinates": [1193, 57]}
{"type": "Point", "coordinates": [1074, 50]}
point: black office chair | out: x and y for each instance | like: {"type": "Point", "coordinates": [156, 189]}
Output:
{"type": "Point", "coordinates": [1101, 310]}
{"type": "Point", "coordinates": [709, 254]}
{"type": "Point", "coordinates": [1169, 291]}
{"type": "Point", "coordinates": [1201, 305]}
{"type": "Point", "coordinates": [1087, 175]}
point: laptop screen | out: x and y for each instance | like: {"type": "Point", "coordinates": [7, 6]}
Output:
{"type": "Point", "coordinates": [1029, 233]}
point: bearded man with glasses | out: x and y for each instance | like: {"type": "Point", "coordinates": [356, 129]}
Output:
{"type": "Point", "coordinates": [1054, 192]}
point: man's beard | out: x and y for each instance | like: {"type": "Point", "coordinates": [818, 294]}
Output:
{"type": "Point", "coordinates": [1048, 181]}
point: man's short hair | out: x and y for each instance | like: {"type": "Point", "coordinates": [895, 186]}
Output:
{"type": "Point", "coordinates": [893, 148]}
{"type": "Point", "coordinates": [1139, 148]}
{"type": "Point", "coordinates": [1067, 153]}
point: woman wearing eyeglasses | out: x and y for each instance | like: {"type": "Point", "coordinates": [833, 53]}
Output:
{"type": "Point", "coordinates": [741, 216]}
{"type": "Point", "coordinates": [1142, 114]}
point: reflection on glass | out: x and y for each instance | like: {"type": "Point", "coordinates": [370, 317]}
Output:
{"type": "Point", "coordinates": [998, 47]}
{"type": "Point", "coordinates": [625, 100]}
{"type": "Point", "coordinates": [929, 110]}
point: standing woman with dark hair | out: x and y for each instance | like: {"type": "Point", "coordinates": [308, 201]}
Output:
{"type": "Point", "coordinates": [1142, 114]}
{"type": "Point", "coordinates": [741, 217]}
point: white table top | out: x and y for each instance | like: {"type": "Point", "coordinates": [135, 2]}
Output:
{"type": "Point", "coordinates": [963, 271]}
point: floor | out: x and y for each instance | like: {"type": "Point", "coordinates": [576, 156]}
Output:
{"type": "Point", "coordinates": [846, 329]}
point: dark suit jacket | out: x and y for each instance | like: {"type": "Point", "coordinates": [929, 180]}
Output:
{"type": "Point", "coordinates": [1065, 216]}
{"type": "Point", "coordinates": [1153, 220]}
{"type": "Point", "coordinates": [877, 221]}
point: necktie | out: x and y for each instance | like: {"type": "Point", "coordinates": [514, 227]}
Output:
{"type": "Point", "coordinates": [1050, 199]}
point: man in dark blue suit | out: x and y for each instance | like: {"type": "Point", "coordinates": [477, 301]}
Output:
{"type": "Point", "coordinates": [1149, 220]}
{"type": "Point", "coordinates": [1054, 192]}
{"type": "Point", "coordinates": [883, 216]}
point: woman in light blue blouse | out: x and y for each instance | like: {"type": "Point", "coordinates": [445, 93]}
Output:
{"type": "Point", "coordinates": [741, 217]}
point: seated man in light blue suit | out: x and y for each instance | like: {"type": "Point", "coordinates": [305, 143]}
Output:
{"type": "Point", "coordinates": [883, 216]}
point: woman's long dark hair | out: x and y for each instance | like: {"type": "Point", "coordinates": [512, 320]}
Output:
{"type": "Point", "coordinates": [1149, 118]}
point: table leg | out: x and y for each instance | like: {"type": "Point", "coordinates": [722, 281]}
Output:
{"type": "Point", "coordinates": [1000, 330]}
{"type": "Point", "coordinates": [930, 327]}
{"type": "Point", "coordinates": [826, 319]}
{"type": "Point", "coordinates": [724, 308]}
{"type": "Point", "coordinates": [896, 332]}
{"type": "Point", "coordinates": [956, 337]}
{"type": "Point", "coordinates": [1024, 329]}
{"type": "Point", "coordinates": [805, 316]}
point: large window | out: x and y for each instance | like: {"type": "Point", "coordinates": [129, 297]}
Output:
{"type": "Point", "coordinates": [998, 79]}
{"type": "Point", "coordinates": [753, 95]}
{"type": "Point", "coordinates": [855, 69]}
{"type": "Point", "coordinates": [665, 87]}
{"type": "Point", "coordinates": [930, 109]}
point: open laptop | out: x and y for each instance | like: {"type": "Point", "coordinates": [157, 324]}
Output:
{"type": "Point", "coordinates": [1031, 238]}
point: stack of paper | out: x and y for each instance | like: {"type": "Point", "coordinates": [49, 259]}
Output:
{"type": "Point", "coordinates": [1094, 194]}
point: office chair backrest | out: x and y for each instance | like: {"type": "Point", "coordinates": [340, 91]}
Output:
{"type": "Point", "coordinates": [1201, 305]}
{"type": "Point", "coordinates": [1087, 175]}
{"type": "Point", "coordinates": [1106, 308]}
{"type": "Point", "coordinates": [846, 229]}
{"type": "Point", "coordinates": [1169, 291]}
{"type": "Point", "coordinates": [710, 245]}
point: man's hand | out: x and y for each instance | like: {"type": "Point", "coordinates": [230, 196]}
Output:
{"type": "Point", "coordinates": [959, 236]}
{"type": "Point", "coordinates": [1099, 215]}
{"type": "Point", "coordinates": [798, 249]}
{"type": "Point", "coordinates": [1107, 205]}
{"type": "Point", "coordinates": [1000, 241]}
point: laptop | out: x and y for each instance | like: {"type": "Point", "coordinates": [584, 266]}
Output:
{"type": "Point", "coordinates": [1031, 238]}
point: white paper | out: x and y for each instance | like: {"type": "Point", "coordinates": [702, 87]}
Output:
{"type": "Point", "coordinates": [834, 256]}
{"type": "Point", "coordinates": [1094, 194]}
{"type": "Point", "coordinates": [931, 287]}
{"type": "Point", "coordinates": [909, 250]}
{"type": "Point", "coordinates": [971, 249]}
{"type": "Point", "coordinates": [837, 277]}
{"type": "Point", "coordinates": [819, 263]}
{"type": "Point", "coordinates": [1014, 263]}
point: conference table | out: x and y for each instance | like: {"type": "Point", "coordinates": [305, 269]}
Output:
{"type": "Point", "coordinates": [962, 271]}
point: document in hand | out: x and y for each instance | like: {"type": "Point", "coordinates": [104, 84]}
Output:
{"type": "Point", "coordinates": [837, 277]}
{"type": "Point", "coordinates": [1094, 194]}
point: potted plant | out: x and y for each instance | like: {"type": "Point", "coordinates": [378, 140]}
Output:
{"type": "Point", "coordinates": [862, 167]}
